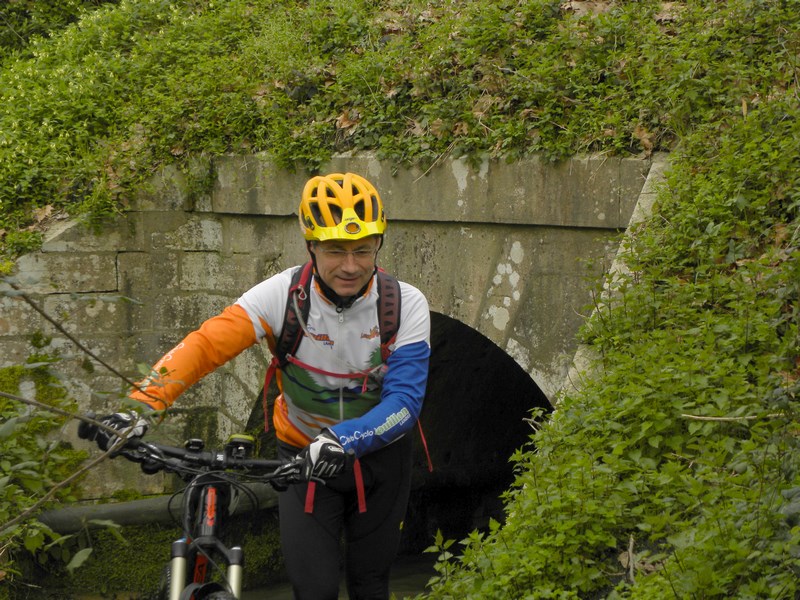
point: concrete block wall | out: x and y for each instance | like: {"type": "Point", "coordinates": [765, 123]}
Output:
{"type": "Point", "coordinates": [501, 247]}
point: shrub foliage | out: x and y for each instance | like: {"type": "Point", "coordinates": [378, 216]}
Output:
{"type": "Point", "coordinates": [674, 471]}
{"type": "Point", "coordinates": [87, 113]}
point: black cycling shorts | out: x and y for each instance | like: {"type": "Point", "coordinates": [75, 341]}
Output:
{"type": "Point", "coordinates": [335, 535]}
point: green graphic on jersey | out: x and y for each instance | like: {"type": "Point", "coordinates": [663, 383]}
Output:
{"type": "Point", "coordinates": [309, 394]}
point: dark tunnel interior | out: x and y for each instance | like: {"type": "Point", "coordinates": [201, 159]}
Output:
{"type": "Point", "coordinates": [473, 419]}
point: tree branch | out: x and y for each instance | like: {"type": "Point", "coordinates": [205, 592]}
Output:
{"type": "Point", "coordinates": [72, 338]}
{"type": "Point", "coordinates": [122, 438]}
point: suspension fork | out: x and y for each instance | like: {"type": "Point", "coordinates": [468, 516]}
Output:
{"type": "Point", "coordinates": [185, 554]}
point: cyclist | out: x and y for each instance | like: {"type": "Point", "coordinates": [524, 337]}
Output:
{"type": "Point", "coordinates": [337, 401]}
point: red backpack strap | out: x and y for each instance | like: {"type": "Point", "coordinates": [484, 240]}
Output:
{"type": "Point", "coordinates": [389, 322]}
{"type": "Point", "coordinates": [361, 495]}
{"type": "Point", "coordinates": [388, 311]}
{"type": "Point", "coordinates": [291, 333]}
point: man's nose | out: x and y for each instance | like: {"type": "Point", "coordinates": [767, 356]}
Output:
{"type": "Point", "coordinates": [350, 263]}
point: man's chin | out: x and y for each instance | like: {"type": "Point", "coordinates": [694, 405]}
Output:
{"type": "Point", "coordinates": [347, 288]}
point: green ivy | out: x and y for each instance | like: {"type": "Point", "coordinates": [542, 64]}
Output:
{"type": "Point", "coordinates": [675, 472]}
{"type": "Point", "coordinates": [90, 112]}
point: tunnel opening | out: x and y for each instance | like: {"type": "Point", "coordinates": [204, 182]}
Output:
{"type": "Point", "coordinates": [475, 416]}
{"type": "Point", "coordinates": [476, 413]}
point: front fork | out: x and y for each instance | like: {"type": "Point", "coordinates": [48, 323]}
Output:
{"type": "Point", "coordinates": [179, 565]}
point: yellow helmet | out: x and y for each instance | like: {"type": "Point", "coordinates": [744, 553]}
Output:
{"type": "Point", "coordinates": [340, 207]}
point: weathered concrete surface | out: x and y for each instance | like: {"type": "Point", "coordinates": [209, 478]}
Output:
{"type": "Point", "coordinates": [511, 250]}
{"type": "Point", "coordinates": [581, 366]}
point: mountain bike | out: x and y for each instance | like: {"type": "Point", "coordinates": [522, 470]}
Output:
{"type": "Point", "coordinates": [202, 567]}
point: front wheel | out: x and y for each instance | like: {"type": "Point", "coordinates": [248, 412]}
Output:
{"type": "Point", "coordinates": [207, 591]}
{"type": "Point", "coordinates": [220, 596]}
{"type": "Point", "coordinates": [164, 584]}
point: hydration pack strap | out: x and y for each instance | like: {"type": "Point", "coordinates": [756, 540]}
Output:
{"type": "Point", "coordinates": [364, 375]}
{"type": "Point", "coordinates": [362, 499]}
{"type": "Point", "coordinates": [296, 309]}
{"type": "Point", "coordinates": [311, 490]}
{"type": "Point", "coordinates": [273, 366]}
{"type": "Point", "coordinates": [388, 312]}
{"type": "Point", "coordinates": [425, 446]}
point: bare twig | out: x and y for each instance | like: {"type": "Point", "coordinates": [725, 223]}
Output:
{"type": "Point", "coordinates": [51, 492]}
{"type": "Point", "coordinates": [439, 158]}
{"type": "Point", "coordinates": [122, 438]}
{"type": "Point", "coordinates": [631, 562]}
{"type": "Point", "coordinates": [60, 411]}
{"type": "Point", "coordinates": [734, 419]}
{"type": "Point", "coordinates": [47, 407]}
{"type": "Point", "coordinates": [64, 332]}
{"type": "Point", "coordinates": [73, 339]}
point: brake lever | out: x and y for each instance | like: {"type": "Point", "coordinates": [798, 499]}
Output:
{"type": "Point", "coordinates": [287, 470]}
{"type": "Point", "coordinates": [140, 451]}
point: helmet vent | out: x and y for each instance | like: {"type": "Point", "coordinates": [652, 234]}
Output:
{"type": "Point", "coordinates": [317, 213]}
{"type": "Point", "coordinates": [359, 208]}
{"type": "Point", "coordinates": [336, 213]}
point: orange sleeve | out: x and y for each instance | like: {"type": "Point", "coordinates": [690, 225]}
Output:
{"type": "Point", "coordinates": [217, 341]}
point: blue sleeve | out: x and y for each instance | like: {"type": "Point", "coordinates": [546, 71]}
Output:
{"type": "Point", "coordinates": [401, 402]}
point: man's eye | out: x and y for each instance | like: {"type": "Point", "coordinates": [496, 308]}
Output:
{"type": "Point", "coordinates": [363, 253]}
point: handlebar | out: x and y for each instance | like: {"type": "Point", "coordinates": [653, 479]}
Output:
{"type": "Point", "coordinates": [192, 459]}
{"type": "Point", "coordinates": [234, 461]}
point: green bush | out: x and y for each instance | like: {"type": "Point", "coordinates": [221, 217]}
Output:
{"type": "Point", "coordinates": [21, 20]}
{"type": "Point", "coordinates": [33, 460]}
{"type": "Point", "coordinates": [132, 86]}
{"type": "Point", "coordinates": [675, 472]}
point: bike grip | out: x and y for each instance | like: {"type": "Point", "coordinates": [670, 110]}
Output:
{"type": "Point", "coordinates": [86, 430]}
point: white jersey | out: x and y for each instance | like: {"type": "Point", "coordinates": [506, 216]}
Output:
{"type": "Point", "coordinates": [339, 342]}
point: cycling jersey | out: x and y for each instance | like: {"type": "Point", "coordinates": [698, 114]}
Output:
{"type": "Point", "coordinates": [364, 412]}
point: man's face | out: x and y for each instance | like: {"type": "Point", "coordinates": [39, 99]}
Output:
{"type": "Point", "coordinates": [346, 266]}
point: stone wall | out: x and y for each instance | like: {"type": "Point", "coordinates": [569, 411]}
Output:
{"type": "Point", "coordinates": [510, 250]}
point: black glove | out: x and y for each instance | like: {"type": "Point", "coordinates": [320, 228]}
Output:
{"type": "Point", "coordinates": [127, 424]}
{"type": "Point", "coordinates": [324, 458]}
